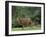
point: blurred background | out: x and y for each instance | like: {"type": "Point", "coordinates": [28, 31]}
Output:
{"type": "Point", "coordinates": [30, 12]}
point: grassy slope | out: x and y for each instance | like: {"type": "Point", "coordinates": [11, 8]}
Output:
{"type": "Point", "coordinates": [33, 27]}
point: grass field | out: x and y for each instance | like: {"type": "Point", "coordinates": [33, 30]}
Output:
{"type": "Point", "coordinates": [29, 14]}
{"type": "Point", "coordinates": [33, 27]}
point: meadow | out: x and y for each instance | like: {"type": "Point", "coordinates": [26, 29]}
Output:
{"type": "Point", "coordinates": [34, 13]}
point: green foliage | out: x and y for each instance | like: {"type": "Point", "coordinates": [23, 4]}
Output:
{"type": "Point", "coordinates": [24, 11]}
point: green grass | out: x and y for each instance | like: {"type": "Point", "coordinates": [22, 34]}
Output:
{"type": "Point", "coordinates": [33, 27]}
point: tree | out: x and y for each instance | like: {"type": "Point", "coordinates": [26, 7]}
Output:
{"type": "Point", "coordinates": [24, 11]}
